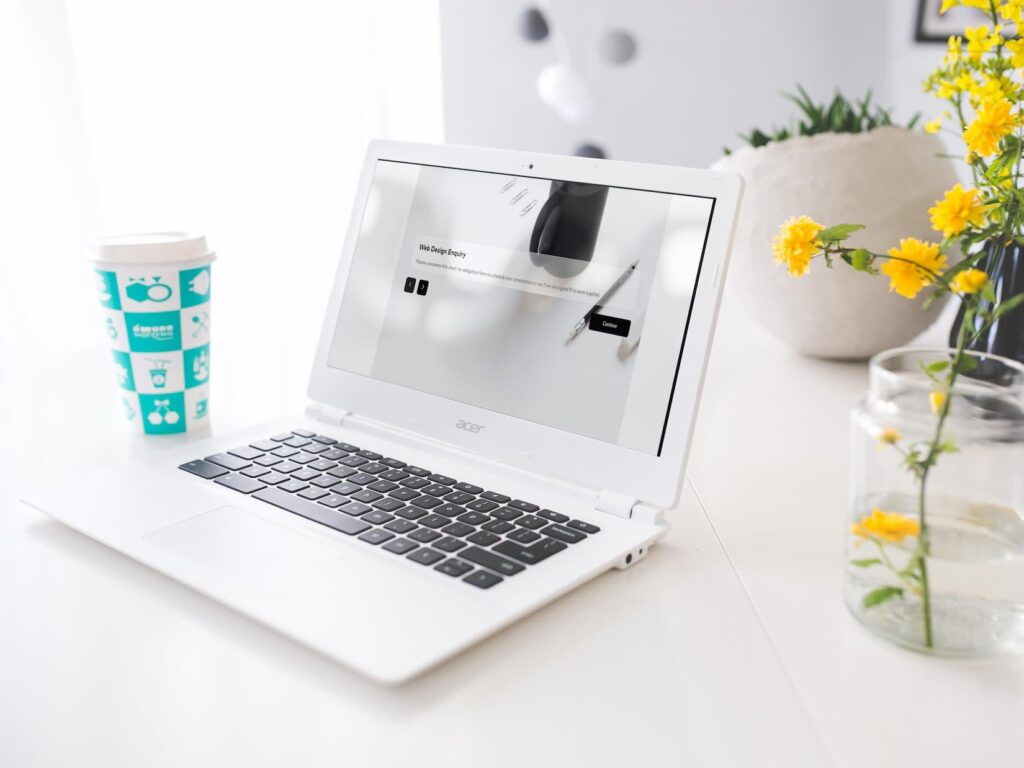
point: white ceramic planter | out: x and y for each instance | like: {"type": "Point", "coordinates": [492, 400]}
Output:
{"type": "Point", "coordinates": [887, 180]}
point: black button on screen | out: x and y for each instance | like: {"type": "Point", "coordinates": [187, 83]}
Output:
{"type": "Point", "coordinates": [410, 284]}
{"type": "Point", "coordinates": [421, 289]}
{"type": "Point", "coordinates": [616, 326]}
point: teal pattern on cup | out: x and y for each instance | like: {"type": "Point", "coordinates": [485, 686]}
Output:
{"type": "Point", "coordinates": [157, 321]}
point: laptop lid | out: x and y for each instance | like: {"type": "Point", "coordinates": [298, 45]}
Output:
{"type": "Point", "coordinates": [551, 312]}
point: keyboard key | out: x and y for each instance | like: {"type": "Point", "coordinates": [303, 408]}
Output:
{"type": "Point", "coordinates": [287, 467]}
{"type": "Point", "coordinates": [361, 478]}
{"type": "Point", "coordinates": [305, 474]}
{"type": "Point", "coordinates": [458, 497]}
{"type": "Point", "coordinates": [496, 497]}
{"type": "Point", "coordinates": [313, 493]}
{"type": "Point", "coordinates": [382, 486]}
{"type": "Point", "coordinates": [353, 461]}
{"type": "Point", "coordinates": [333, 454]}
{"type": "Point", "coordinates": [410, 513]}
{"type": "Point", "coordinates": [334, 500]}
{"type": "Point", "coordinates": [532, 522]}
{"type": "Point", "coordinates": [304, 458]}
{"type": "Point", "coordinates": [424, 535]}
{"type": "Point", "coordinates": [393, 475]}
{"type": "Point", "coordinates": [293, 486]}
{"type": "Point", "coordinates": [452, 510]}
{"type": "Point", "coordinates": [506, 513]}
{"type": "Point", "coordinates": [400, 526]}
{"type": "Point", "coordinates": [473, 518]}
{"type": "Point", "coordinates": [452, 567]}
{"type": "Point", "coordinates": [579, 525]}
{"type": "Point", "coordinates": [448, 544]}
{"type": "Point", "coordinates": [247, 453]}
{"type": "Point", "coordinates": [311, 511]}
{"type": "Point", "coordinates": [374, 467]}
{"type": "Point", "coordinates": [255, 471]}
{"type": "Point", "coordinates": [377, 517]}
{"type": "Point", "coordinates": [355, 509]}
{"type": "Point", "coordinates": [296, 442]}
{"type": "Point", "coordinates": [491, 561]}
{"type": "Point", "coordinates": [264, 445]}
{"type": "Point", "coordinates": [376, 536]}
{"type": "Point", "coordinates": [484, 538]}
{"type": "Point", "coordinates": [458, 529]}
{"type": "Point", "coordinates": [240, 483]}
{"type": "Point", "coordinates": [468, 488]}
{"type": "Point", "coordinates": [366, 496]}
{"type": "Point", "coordinates": [346, 489]}
{"type": "Point", "coordinates": [426, 502]}
{"type": "Point", "coordinates": [533, 554]}
{"type": "Point", "coordinates": [303, 432]}
{"type": "Point", "coordinates": [436, 489]}
{"type": "Point", "coordinates": [314, 448]}
{"type": "Point", "coordinates": [434, 521]}
{"type": "Point", "coordinates": [322, 465]}
{"type": "Point", "coordinates": [523, 506]}
{"type": "Point", "coordinates": [227, 461]}
{"type": "Point", "coordinates": [393, 463]}
{"type": "Point", "coordinates": [348, 447]}
{"type": "Point", "coordinates": [203, 468]}
{"type": "Point", "coordinates": [274, 478]}
{"type": "Point", "coordinates": [498, 526]}
{"type": "Point", "coordinates": [284, 451]}
{"type": "Point", "coordinates": [415, 483]}
{"type": "Point", "coordinates": [483, 579]}
{"type": "Point", "coordinates": [323, 439]}
{"type": "Point", "coordinates": [400, 546]}
{"type": "Point", "coordinates": [418, 471]}
{"type": "Point", "coordinates": [442, 479]}
{"type": "Point", "coordinates": [282, 437]}
{"type": "Point", "coordinates": [369, 455]}
{"type": "Point", "coordinates": [523, 536]}
{"type": "Point", "coordinates": [482, 505]}
{"type": "Point", "coordinates": [554, 517]}
{"type": "Point", "coordinates": [342, 472]}
{"type": "Point", "coordinates": [425, 556]}
{"type": "Point", "coordinates": [563, 534]}
{"type": "Point", "coordinates": [268, 461]}
{"type": "Point", "coordinates": [388, 505]}
{"type": "Point", "coordinates": [404, 494]}
{"type": "Point", "coordinates": [324, 481]}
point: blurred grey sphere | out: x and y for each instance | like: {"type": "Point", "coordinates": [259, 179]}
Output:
{"type": "Point", "coordinates": [617, 46]}
{"type": "Point", "coordinates": [532, 25]}
{"type": "Point", "coordinates": [589, 150]}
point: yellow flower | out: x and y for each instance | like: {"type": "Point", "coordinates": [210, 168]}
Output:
{"type": "Point", "coordinates": [954, 49]}
{"type": "Point", "coordinates": [1016, 49]}
{"type": "Point", "coordinates": [796, 243]}
{"type": "Point", "coordinates": [1011, 11]}
{"type": "Point", "coordinates": [964, 82]}
{"type": "Point", "coordinates": [937, 400]}
{"type": "Point", "coordinates": [912, 266]}
{"type": "Point", "coordinates": [969, 281]}
{"type": "Point", "coordinates": [933, 126]}
{"type": "Point", "coordinates": [991, 124]}
{"type": "Point", "coordinates": [956, 210]}
{"type": "Point", "coordinates": [887, 526]}
{"type": "Point", "coordinates": [947, 4]}
{"type": "Point", "coordinates": [980, 42]}
{"type": "Point", "coordinates": [889, 436]}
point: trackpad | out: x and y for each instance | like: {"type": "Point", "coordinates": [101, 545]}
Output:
{"type": "Point", "coordinates": [238, 543]}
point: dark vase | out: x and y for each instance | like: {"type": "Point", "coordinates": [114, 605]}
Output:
{"type": "Point", "coordinates": [1004, 265]}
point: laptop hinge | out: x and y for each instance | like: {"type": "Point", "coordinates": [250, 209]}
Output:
{"type": "Point", "coordinates": [626, 507]}
{"type": "Point", "coordinates": [333, 416]}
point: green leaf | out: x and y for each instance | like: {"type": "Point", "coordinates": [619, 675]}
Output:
{"type": "Point", "coordinates": [866, 562]}
{"type": "Point", "coordinates": [860, 259]}
{"type": "Point", "coordinates": [966, 364]}
{"type": "Point", "coordinates": [947, 446]}
{"type": "Point", "coordinates": [937, 367]}
{"type": "Point", "coordinates": [880, 595]}
{"type": "Point", "coordinates": [1009, 305]}
{"type": "Point", "coordinates": [838, 232]}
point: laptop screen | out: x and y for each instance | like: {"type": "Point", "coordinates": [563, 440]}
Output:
{"type": "Point", "coordinates": [558, 302]}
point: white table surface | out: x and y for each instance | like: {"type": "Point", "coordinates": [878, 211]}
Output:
{"type": "Point", "coordinates": [701, 655]}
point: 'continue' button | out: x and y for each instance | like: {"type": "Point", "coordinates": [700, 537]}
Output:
{"type": "Point", "coordinates": [616, 326]}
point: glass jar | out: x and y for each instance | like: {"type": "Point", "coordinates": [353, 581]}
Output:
{"type": "Point", "coordinates": [939, 569]}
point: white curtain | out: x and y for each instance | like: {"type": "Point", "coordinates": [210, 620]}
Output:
{"type": "Point", "coordinates": [246, 121]}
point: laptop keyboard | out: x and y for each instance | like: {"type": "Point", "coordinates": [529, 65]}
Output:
{"type": "Point", "coordinates": [457, 529]}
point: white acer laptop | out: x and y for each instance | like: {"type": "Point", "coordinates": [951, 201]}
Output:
{"type": "Point", "coordinates": [500, 409]}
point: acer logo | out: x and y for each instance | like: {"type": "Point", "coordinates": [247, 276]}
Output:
{"type": "Point", "coordinates": [468, 426]}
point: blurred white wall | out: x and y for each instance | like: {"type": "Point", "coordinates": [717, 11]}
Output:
{"type": "Point", "coordinates": [703, 71]}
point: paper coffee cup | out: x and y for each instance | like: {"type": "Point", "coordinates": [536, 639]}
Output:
{"type": "Point", "coordinates": [155, 293]}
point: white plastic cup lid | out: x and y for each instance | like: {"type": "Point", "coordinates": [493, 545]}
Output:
{"type": "Point", "coordinates": [152, 248]}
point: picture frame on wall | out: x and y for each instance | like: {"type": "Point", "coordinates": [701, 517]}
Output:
{"type": "Point", "coordinates": [935, 27]}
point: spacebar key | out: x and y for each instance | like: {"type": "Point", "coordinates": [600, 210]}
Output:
{"type": "Point", "coordinates": [311, 511]}
{"type": "Point", "coordinates": [490, 561]}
